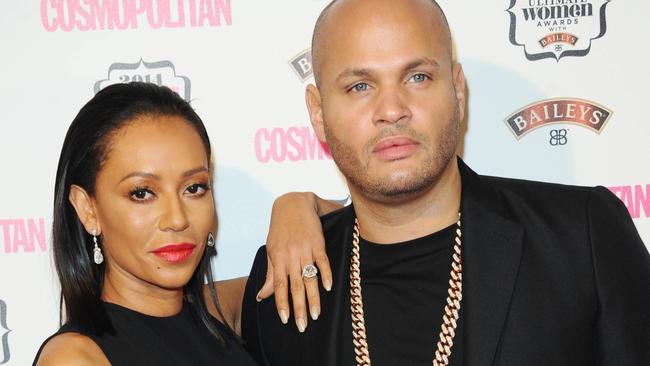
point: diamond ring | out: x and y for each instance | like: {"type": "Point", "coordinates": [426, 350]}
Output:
{"type": "Point", "coordinates": [309, 271]}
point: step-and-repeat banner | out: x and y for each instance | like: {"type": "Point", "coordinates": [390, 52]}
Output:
{"type": "Point", "coordinates": [557, 91]}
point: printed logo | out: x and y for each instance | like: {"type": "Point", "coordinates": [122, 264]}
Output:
{"type": "Point", "coordinates": [302, 65]}
{"type": "Point", "coordinates": [635, 197]}
{"type": "Point", "coordinates": [296, 143]}
{"type": "Point", "coordinates": [93, 15]}
{"type": "Point", "coordinates": [160, 73]}
{"type": "Point", "coordinates": [23, 236]}
{"type": "Point", "coordinates": [556, 28]}
{"type": "Point", "coordinates": [4, 340]}
{"type": "Point", "coordinates": [575, 111]}
{"type": "Point", "coordinates": [558, 137]}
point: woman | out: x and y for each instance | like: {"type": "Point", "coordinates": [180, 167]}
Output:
{"type": "Point", "coordinates": [134, 224]}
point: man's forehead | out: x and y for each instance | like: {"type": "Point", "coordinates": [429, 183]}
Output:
{"type": "Point", "coordinates": [345, 23]}
{"type": "Point", "coordinates": [383, 37]}
{"type": "Point", "coordinates": [358, 13]}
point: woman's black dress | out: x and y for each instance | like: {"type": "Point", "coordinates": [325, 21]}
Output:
{"type": "Point", "coordinates": [178, 340]}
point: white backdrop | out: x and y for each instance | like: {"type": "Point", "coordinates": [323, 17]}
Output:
{"type": "Point", "coordinates": [244, 64]}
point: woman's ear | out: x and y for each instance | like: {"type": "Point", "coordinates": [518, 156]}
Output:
{"type": "Point", "coordinates": [84, 206]}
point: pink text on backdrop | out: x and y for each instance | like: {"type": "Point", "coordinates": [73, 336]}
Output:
{"type": "Point", "coordinates": [636, 198]}
{"type": "Point", "coordinates": [23, 235]}
{"type": "Point", "coordinates": [294, 144]}
{"type": "Point", "coordinates": [91, 15]}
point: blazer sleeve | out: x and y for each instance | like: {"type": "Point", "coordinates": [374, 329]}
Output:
{"type": "Point", "coordinates": [250, 326]}
{"type": "Point", "coordinates": [622, 274]}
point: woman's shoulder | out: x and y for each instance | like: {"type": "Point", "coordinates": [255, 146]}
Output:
{"type": "Point", "coordinates": [71, 349]}
{"type": "Point", "coordinates": [230, 294]}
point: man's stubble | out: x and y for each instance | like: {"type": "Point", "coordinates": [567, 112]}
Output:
{"type": "Point", "coordinates": [438, 156]}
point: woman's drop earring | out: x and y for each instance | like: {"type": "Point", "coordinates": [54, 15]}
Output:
{"type": "Point", "coordinates": [210, 242]}
{"type": "Point", "coordinates": [97, 252]}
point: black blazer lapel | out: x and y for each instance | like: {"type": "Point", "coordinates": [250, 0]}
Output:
{"type": "Point", "coordinates": [491, 252]}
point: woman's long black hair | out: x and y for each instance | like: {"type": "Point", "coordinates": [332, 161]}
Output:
{"type": "Point", "coordinates": [83, 153]}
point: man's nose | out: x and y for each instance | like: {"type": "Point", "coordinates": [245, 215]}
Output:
{"type": "Point", "coordinates": [392, 106]}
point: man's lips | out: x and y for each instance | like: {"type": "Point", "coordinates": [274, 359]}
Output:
{"type": "Point", "coordinates": [394, 148]}
{"type": "Point", "coordinates": [175, 253]}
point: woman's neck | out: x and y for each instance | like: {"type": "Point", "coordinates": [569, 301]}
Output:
{"type": "Point", "coordinates": [123, 289]}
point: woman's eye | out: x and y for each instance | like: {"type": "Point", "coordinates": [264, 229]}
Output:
{"type": "Point", "coordinates": [418, 78]}
{"type": "Point", "coordinates": [359, 87]}
{"type": "Point", "coordinates": [197, 189]}
{"type": "Point", "coordinates": [141, 194]}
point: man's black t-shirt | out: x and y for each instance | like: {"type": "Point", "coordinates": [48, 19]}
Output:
{"type": "Point", "coordinates": [404, 288]}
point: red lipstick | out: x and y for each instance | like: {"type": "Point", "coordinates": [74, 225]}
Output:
{"type": "Point", "coordinates": [175, 253]}
{"type": "Point", "coordinates": [395, 148]}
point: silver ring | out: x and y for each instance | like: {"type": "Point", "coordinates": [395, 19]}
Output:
{"type": "Point", "coordinates": [309, 271]}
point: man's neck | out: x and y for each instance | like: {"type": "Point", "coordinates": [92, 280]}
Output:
{"type": "Point", "coordinates": [387, 222]}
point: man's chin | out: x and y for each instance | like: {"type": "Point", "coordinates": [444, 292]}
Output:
{"type": "Point", "coordinates": [398, 186]}
{"type": "Point", "coordinates": [405, 191]}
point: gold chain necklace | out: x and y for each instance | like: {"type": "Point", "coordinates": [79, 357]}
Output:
{"type": "Point", "coordinates": [449, 319]}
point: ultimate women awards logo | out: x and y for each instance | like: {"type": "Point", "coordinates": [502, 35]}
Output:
{"type": "Point", "coordinates": [5, 354]}
{"type": "Point", "coordinates": [160, 73]}
{"type": "Point", "coordinates": [556, 28]}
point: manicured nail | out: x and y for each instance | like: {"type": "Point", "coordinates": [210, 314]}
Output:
{"type": "Point", "coordinates": [315, 312]}
{"type": "Point", "coordinates": [257, 297]}
{"type": "Point", "coordinates": [302, 325]}
{"type": "Point", "coordinates": [328, 285]}
{"type": "Point", "coordinates": [284, 316]}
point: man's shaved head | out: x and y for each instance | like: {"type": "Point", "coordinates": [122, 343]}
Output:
{"type": "Point", "coordinates": [389, 97]}
{"type": "Point", "coordinates": [318, 35]}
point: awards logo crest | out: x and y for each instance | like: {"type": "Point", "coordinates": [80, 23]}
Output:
{"type": "Point", "coordinates": [160, 73]}
{"type": "Point", "coordinates": [556, 28]}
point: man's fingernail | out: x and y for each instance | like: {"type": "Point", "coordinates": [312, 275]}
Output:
{"type": "Point", "coordinates": [328, 285]}
{"type": "Point", "coordinates": [257, 297]}
{"type": "Point", "coordinates": [284, 316]}
{"type": "Point", "coordinates": [315, 312]}
{"type": "Point", "coordinates": [302, 325]}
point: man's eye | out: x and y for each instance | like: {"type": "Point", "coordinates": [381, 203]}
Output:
{"type": "Point", "coordinates": [359, 87]}
{"type": "Point", "coordinates": [418, 78]}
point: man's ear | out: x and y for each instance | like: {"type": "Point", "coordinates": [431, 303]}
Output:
{"type": "Point", "coordinates": [460, 87]}
{"type": "Point", "coordinates": [315, 108]}
{"type": "Point", "coordinates": [84, 206]}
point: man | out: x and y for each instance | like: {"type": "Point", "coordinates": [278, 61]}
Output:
{"type": "Point", "coordinates": [550, 274]}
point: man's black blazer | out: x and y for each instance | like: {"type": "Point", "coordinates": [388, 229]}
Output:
{"type": "Point", "coordinates": [552, 275]}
